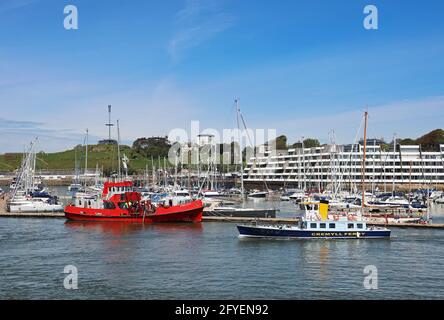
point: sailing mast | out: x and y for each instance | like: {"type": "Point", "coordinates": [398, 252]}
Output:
{"type": "Point", "coordinates": [303, 163]}
{"type": "Point", "coordinates": [240, 148]}
{"type": "Point", "coordinates": [86, 154]}
{"type": "Point", "coordinates": [363, 162]}
{"type": "Point", "coordinates": [394, 159]}
{"type": "Point", "coordinates": [118, 149]}
{"type": "Point", "coordinates": [154, 171]}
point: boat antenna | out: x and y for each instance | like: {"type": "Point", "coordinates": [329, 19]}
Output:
{"type": "Point", "coordinates": [109, 124]}
{"type": "Point", "coordinates": [363, 161]}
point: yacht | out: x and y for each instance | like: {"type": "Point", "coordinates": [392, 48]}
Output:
{"type": "Point", "coordinates": [27, 194]}
{"type": "Point", "coordinates": [258, 194]}
{"type": "Point", "coordinates": [74, 187]}
{"type": "Point", "coordinates": [210, 193]}
{"type": "Point", "coordinates": [286, 196]}
{"type": "Point", "coordinates": [222, 209]}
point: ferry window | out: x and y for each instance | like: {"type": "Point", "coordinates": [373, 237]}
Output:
{"type": "Point", "coordinates": [359, 225]}
{"type": "Point", "coordinates": [312, 225]}
{"type": "Point", "coordinates": [331, 225]}
{"type": "Point", "coordinates": [350, 225]}
{"type": "Point", "coordinates": [322, 225]}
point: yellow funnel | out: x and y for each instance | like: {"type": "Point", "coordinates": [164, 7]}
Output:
{"type": "Point", "coordinates": [323, 209]}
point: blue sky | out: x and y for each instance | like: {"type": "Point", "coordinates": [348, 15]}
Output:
{"type": "Point", "coordinates": [301, 67]}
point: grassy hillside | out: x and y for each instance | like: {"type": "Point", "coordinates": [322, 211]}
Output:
{"type": "Point", "coordinates": [103, 155]}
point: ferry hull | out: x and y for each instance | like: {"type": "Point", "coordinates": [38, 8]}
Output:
{"type": "Point", "coordinates": [258, 232]}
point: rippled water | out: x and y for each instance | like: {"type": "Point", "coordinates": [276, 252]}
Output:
{"type": "Point", "coordinates": [208, 261]}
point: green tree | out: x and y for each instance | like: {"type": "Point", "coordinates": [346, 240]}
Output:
{"type": "Point", "coordinates": [308, 143]}
{"type": "Point", "coordinates": [154, 146]}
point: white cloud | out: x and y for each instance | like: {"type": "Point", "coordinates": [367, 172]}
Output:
{"type": "Point", "coordinates": [7, 5]}
{"type": "Point", "coordinates": [197, 22]}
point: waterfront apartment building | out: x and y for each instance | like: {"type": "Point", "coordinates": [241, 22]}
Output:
{"type": "Point", "coordinates": [338, 167]}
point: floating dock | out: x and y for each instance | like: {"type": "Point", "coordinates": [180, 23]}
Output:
{"type": "Point", "coordinates": [32, 215]}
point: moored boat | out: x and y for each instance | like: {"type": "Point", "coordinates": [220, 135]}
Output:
{"type": "Point", "coordinates": [258, 194]}
{"type": "Point", "coordinates": [118, 202]}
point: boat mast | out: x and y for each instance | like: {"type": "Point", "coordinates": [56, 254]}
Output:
{"type": "Point", "coordinates": [164, 172]}
{"type": "Point", "coordinates": [118, 149]}
{"type": "Point", "coordinates": [394, 159]}
{"type": "Point", "coordinates": [86, 153]}
{"type": "Point", "coordinates": [240, 148]}
{"type": "Point", "coordinates": [363, 162]}
{"type": "Point", "coordinates": [154, 171]}
{"type": "Point", "coordinates": [303, 164]}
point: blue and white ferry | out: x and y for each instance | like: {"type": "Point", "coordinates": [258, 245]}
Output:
{"type": "Point", "coordinates": [316, 225]}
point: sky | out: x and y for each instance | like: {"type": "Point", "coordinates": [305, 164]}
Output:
{"type": "Point", "coordinates": [306, 68]}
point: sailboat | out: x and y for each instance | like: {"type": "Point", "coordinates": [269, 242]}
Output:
{"type": "Point", "coordinates": [27, 194]}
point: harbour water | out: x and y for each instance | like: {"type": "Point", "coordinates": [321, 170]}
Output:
{"type": "Point", "coordinates": [209, 261]}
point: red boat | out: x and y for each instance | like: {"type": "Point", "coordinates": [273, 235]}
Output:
{"type": "Point", "coordinates": [118, 202]}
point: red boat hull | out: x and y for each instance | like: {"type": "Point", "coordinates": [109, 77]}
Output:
{"type": "Point", "coordinates": [190, 212]}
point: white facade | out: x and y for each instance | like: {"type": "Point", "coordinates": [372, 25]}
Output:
{"type": "Point", "coordinates": [341, 166]}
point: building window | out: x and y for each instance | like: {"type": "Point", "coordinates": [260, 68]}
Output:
{"type": "Point", "coordinates": [350, 225]}
{"type": "Point", "coordinates": [322, 225]}
{"type": "Point", "coordinates": [332, 225]}
{"type": "Point", "coordinates": [312, 225]}
{"type": "Point", "coordinates": [359, 225]}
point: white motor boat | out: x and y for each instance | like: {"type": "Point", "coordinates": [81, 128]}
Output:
{"type": "Point", "coordinates": [210, 193]}
{"type": "Point", "coordinates": [33, 205]}
{"type": "Point", "coordinates": [258, 194]}
{"type": "Point", "coordinates": [74, 187]}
